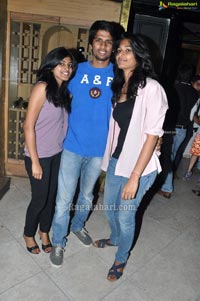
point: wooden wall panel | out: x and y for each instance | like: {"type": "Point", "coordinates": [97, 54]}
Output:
{"type": "Point", "coordinates": [15, 168]}
{"type": "Point", "coordinates": [71, 14]}
{"type": "Point", "coordinates": [84, 11]}
{"type": "Point", "coordinates": [3, 20]}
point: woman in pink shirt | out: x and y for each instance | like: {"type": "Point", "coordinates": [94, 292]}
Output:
{"type": "Point", "coordinates": [130, 160]}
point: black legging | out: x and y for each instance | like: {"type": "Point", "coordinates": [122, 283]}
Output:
{"type": "Point", "coordinates": [43, 194]}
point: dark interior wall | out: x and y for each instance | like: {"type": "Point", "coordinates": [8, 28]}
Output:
{"type": "Point", "coordinates": [3, 18]}
{"type": "Point", "coordinates": [173, 53]}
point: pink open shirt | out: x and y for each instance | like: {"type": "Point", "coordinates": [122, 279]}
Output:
{"type": "Point", "coordinates": [147, 118]}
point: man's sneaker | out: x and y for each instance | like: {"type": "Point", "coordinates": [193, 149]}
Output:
{"type": "Point", "coordinates": [187, 176]}
{"type": "Point", "coordinates": [56, 256]}
{"type": "Point", "coordinates": [84, 237]}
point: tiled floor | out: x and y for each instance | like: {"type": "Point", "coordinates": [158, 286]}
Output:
{"type": "Point", "coordinates": [163, 266]}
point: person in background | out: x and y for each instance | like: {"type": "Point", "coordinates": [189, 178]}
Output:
{"type": "Point", "coordinates": [45, 127]}
{"type": "Point", "coordinates": [195, 154]}
{"type": "Point", "coordinates": [85, 141]}
{"type": "Point", "coordinates": [169, 131]}
{"type": "Point", "coordinates": [130, 160]}
{"type": "Point", "coordinates": [195, 82]}
{"type": "Point", "coordinates": [195, 147]}
{"type": "Point", "coordinates": [187, 97]}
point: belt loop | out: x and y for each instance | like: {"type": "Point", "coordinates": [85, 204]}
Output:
{"type": "Point", "coordinates": [181, 126]}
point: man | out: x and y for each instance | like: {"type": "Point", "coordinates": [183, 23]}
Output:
{"type": "Point", "coordinates": [195, 82]}
{"type": "Point", "coordinates": [187, 96]}
{"type": "Point", "coordinates": [85, 141]}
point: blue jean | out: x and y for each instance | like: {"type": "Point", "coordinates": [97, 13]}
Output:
{"type": "Point", "coordinates": [121, 213]}
{"type": "Point", "coordinates": [177, 141]}
{"type": "Point", "coordinates": [73, 166]}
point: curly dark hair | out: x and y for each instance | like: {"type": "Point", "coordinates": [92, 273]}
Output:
{"type": "Point", "coordinates": [144, 68]}
{"type": "Point", "coordinates": [59, 96]}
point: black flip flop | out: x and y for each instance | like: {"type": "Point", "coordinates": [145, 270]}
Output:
{"type": "Point", "coordinates": [102, 243]}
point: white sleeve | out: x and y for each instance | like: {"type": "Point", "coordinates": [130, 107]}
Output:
{"type": "Point", "coordinates": [194, 110]}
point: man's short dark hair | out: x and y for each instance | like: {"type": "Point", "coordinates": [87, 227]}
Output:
{"type": "Point", "coordinates": [114, 28]}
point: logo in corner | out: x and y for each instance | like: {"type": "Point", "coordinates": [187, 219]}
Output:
{"type": "Point", "coordinates": [163, 5]}
{"type": "Point", "coordinates": [190, 5]}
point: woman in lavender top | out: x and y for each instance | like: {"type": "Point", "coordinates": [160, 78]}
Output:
{"type": "Point", "coordinates": [45, 128]}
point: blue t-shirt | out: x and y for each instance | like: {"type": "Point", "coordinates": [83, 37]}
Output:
{"type": "Point", "coordinates": [91, 108]}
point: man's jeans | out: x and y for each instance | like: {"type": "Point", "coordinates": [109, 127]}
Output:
{"type": "Point", "coordinates": [71, 167]}
{"type": "Point", "coordinates": [177, 141]}
{"type": "Point", "coordinates": [121, 213]}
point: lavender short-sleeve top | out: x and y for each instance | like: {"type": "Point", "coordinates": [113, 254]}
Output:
{"type": "Point", "coordinates": [50, 129]}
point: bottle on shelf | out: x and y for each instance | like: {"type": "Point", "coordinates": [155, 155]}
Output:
{"type": "Point", "coordinates": [24, 105]}
{"type": "Point", "coordinates": [17, 103]}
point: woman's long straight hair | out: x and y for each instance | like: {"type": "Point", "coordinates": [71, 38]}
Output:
{"type": "Point", "coordinates": [59, 96]}
{"type": "Point", "coordinates": [144, 68]}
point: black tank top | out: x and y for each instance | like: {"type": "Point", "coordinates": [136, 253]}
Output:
{"type": "Point", "coordinates": [122, 115]}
